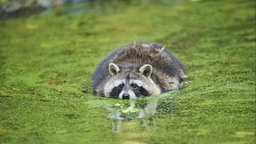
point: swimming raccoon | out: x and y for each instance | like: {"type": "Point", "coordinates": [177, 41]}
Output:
{"type": "Point", "coordinates": [136, 70]}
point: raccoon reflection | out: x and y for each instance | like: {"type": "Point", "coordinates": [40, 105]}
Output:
{"type": "Point", "coordinates": [136, 70]}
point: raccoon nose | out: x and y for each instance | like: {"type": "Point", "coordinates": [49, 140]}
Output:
{"type": "Point", "coordinates": [126, 96]}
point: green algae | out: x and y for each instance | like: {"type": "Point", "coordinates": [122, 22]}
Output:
{"type": "Point", "coordinates": [46, 59]}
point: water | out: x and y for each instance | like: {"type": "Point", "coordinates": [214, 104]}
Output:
{"type": "Point", "coordinates": [12, 9]}
{"type": "Point", "coordinates": [46, 58]}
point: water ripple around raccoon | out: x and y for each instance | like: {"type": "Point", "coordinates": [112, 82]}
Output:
{"type": "Point", "coordinates": [144, 109]}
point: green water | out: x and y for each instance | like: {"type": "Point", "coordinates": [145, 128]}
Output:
{"type": "Point", "coordinates": [46, 59]}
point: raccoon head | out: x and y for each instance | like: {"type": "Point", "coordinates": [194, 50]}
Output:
{"type": "Point", "coordinates": [130, 83]}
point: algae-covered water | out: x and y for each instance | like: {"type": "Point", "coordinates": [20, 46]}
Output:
{"type": "Point", "coordinates": [48, 58]}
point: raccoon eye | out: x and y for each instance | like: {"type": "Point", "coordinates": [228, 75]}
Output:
{"type": "Point", "coordinates": [121, 86]}
{"type": "Point", "coordinates": [134, 86]}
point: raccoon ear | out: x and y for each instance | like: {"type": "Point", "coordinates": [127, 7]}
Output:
{"type": "Point", "coordinates": [113, 69]}
{"type": "Point", "coordinates": [146, 70]}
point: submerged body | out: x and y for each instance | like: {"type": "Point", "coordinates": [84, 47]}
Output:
{"type": "Point", "coordinates": [136, 70]}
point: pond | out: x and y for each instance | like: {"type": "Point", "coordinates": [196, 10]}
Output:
{"type": "Point", "coordinates": [47, 59]}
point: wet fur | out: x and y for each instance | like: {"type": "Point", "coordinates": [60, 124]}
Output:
{"type": "Point", "coordinates": [168, 72]}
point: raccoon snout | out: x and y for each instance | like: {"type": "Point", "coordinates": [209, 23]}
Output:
{"type": "Point", "coordinates": [126, 96]}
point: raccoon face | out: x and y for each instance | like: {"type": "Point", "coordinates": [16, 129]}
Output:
{"type": "Point", "coordinates": [130, 84]}
{"type": "Point", "coordinates": [128, 89]}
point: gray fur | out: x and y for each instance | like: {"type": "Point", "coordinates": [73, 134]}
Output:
{"type": "Point", "coordinates": [149, 64]}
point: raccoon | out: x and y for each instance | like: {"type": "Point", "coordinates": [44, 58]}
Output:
{"type": "Point", "coordinates": [138, 69]}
